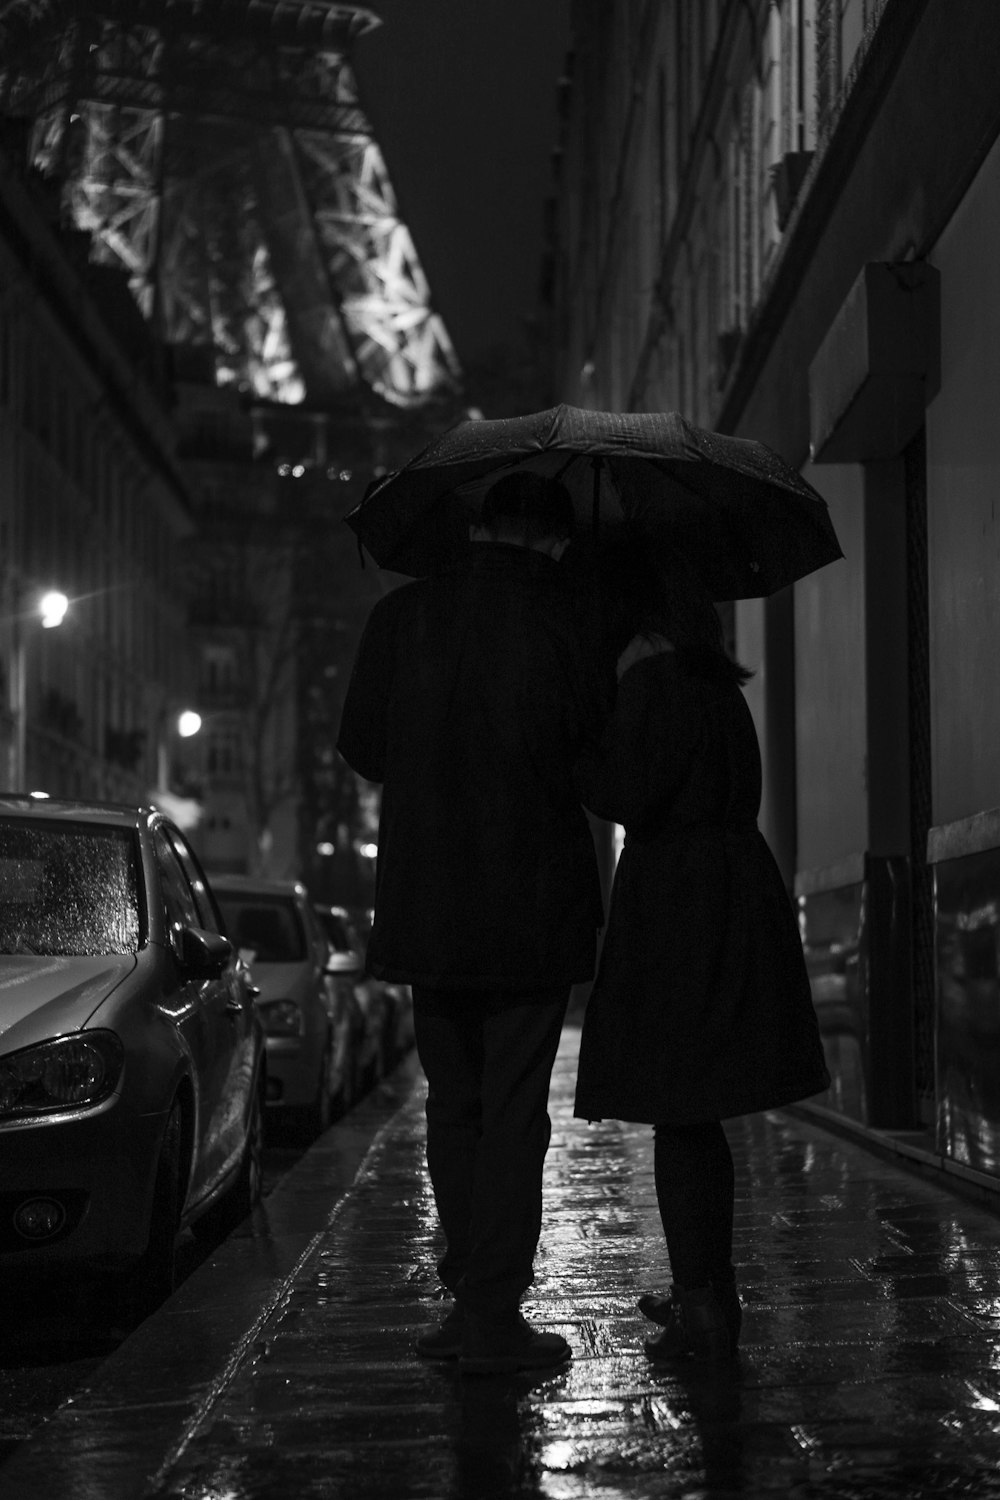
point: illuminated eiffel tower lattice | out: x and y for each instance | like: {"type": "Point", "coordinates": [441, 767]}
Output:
{"type": "Point", "coordinates": [218, 151]}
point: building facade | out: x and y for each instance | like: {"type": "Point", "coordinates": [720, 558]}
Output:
{"type": "Point", "coordinates": [92, 504]}
{"type": "Point", "coordinates": [782, 217]}
{"type": "Point", "coordinates": [277, 601]}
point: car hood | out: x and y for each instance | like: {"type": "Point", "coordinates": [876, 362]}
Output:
{"type": "Point", "coordinates": [44, 997]}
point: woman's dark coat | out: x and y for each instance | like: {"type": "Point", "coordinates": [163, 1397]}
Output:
{"type": "Point", "coordinates": [471, 698]}
{"type": "Point", "coordinates": [701, 1008]}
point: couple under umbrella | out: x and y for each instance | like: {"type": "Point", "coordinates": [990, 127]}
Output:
{"type": "Point", "coordinates": [559, 649]}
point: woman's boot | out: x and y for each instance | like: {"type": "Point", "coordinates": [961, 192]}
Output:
{"type": "Point", "coordinates": [694, 1321]}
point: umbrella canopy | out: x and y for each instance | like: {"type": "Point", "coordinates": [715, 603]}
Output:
{"type": "Point", "coordinates": [748, 521]}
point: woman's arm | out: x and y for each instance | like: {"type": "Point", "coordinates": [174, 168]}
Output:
{"type": "Point", "coordinates": [639, 648]}
{"type": "Point", "coordinates": [644, 756]}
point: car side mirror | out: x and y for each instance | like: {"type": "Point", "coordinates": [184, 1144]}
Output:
{"type": "Point", "coordinates": [202, 954]}
{"type": "Point", "coordinates": [344, 963]}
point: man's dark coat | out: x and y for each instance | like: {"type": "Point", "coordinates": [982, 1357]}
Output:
{"type": "Point", "coordinates": [470, 699]}
{"type": "Point", "coordinates": [701, 1008]}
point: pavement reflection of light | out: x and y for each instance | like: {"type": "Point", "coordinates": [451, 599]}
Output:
{"type": "Point", "coordinates": [561, 1455]}
{"type": "Point", "coordinates": [870, 1364]}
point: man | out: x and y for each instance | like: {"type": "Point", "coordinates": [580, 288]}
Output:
{"type": "Point", "coordinates": [471, 695]}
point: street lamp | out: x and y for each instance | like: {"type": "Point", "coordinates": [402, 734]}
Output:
{"type": "Point", "coordinates": [185, 722]}
{"type": "Point", "coordinates": [185, 811]}
{"type": "Point", "coordinates": [52, 609]}
{"type": "Point", "coordinates": [49, 609]}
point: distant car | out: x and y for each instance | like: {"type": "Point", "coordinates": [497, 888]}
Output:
{"type": "Point", "coordinates": [132, 1065]}
{"type": "Point", "coordinates": [387, 1009]}
{"type": "Point", "coordinates": [310, 1019]}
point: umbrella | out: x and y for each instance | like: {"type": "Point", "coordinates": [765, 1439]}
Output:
{"type": "Point", "coordinates": [747, 520]}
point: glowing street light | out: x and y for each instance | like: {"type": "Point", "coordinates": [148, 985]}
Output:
{"type": "Point", "coordinates": [188, 723]}
{"type": "Point", "coordinates": [49, 609]}
{"type": "Point", "coordinates": [52, 609]}
{"type": "Point", "coordinates": [185, 811]}
{"type": "Point", "coordinates": [185, 722]}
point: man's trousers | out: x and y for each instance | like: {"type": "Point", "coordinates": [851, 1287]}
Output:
{"type": "Point", "coordinates": [488, 1060]}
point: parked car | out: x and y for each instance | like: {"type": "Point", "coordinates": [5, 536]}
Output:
{"type": "Point", "coordinates": [311, 1019]}
{"type": "Point", "coordinates": [387, 1009]}
{"type": "Point", "coordinates": [132, 1063]}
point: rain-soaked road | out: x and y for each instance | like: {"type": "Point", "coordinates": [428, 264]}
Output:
{"type": "Point", "coordinates": [868, 1370]}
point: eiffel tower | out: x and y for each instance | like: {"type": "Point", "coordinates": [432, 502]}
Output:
{"type": "Point", "coordinates": [218, 152]}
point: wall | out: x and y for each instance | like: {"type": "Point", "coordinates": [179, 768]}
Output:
{"type": "Point", "coordinates": [832, 809]}
{"type": "Point", "coordinates": [90, 503]}
{"type": "Point", "coordinates": [963, 462]}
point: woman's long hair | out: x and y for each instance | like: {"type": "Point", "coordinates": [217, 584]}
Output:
{"type": "Point", "coordinates": [649, 589]}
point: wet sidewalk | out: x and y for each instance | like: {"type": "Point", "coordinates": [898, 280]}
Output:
{"type": "Point", "coordinates": [282, 1370]}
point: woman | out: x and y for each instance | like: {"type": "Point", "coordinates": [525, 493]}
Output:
{"type": "Point", "coordinates": [701, 1009]}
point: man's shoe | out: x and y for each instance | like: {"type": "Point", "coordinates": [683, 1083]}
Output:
{"type": "Point", "coordinates": [494, 1346]}
{"type": "Point", "coordinates": [692, 1324]}
{"type": "Point", "coordinates": [445, 1341]}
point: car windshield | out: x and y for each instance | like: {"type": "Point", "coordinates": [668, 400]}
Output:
{"type": "Point", "coordinates": [67, 889]}
{"type": "Point", "coordinates": [266, 928]}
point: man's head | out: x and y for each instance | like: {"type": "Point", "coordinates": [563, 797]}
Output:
{"type": "Point", "coordinates": [527, 510]}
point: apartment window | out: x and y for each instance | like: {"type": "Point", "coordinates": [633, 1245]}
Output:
{"type": "Point", "coordinates": [803, 72]}
{"type": "Point", "coordinates": [219, 669]}
{"type": "Point", "coordinates": [224, 752]}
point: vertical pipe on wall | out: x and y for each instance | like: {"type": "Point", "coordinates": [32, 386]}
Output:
{"type": "Point", "coordinates": [919, 724]}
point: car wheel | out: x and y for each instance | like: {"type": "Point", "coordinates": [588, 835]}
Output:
{"type": "Point", "coordinates": [318, 1116]}
{"type": "Point", "coordinates": [240, 1200]}
{"type": "Point", "coordinates": [154, 1278]}
{"type": "Point", "coordinates": [376, 1067]}
{"type": "Point", "coordinates": [347, 1094]}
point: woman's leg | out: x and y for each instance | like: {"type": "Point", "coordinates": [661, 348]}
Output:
{"type": "Point", "coordinates": [694, 1176]}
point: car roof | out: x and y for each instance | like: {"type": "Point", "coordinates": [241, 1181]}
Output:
{"type": "Point", "coordinates": [68, 810]}
{"type": "Point", "coordinates": [254, 885]}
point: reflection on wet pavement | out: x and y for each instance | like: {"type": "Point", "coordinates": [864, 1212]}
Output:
{"type": "Point", "coordinates": [869, 1366]}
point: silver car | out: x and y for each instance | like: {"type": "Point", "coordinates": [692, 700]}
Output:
{"type": "Point", "coordinates": [310, 1021]}
{"type": "Point", "coordinates": [132, 1065]}
{"type": "Point", "coordinates": [386, 1010]}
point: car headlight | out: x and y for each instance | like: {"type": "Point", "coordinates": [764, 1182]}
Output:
{"type": "Point", "coordinates": [281, 1018]}
{"type": "Point", "coordinates": [62, 1074]}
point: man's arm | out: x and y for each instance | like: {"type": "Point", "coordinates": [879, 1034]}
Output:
{"type": "Point", "coordinates": [363, 723]}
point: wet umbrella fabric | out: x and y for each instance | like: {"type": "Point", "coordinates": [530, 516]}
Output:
{"type": "Point", "coordinates": [748, 520]}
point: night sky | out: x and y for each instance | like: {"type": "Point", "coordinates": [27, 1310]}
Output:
{"type": "Point", "coordinates": [462, 96]}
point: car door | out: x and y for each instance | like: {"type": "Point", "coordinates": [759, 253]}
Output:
{"type": "Point", "coordinates": [202, 1015]}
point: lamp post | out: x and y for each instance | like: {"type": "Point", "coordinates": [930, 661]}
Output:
{"type": "Point", "coordinates": [185, 811]}
{"type": "Point", "coordinates": [186, 723]}
{"type": "Point", "coordinates": [49, 609]}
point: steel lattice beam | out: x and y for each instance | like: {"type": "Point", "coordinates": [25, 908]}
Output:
{"type": "Point", "coordinates": [220, 154]}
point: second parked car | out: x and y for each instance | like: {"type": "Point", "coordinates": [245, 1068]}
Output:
{"type": "Point", "coordinates": [386, 1009]}
{"type": "Point", "coordinates": [309, 1020]}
